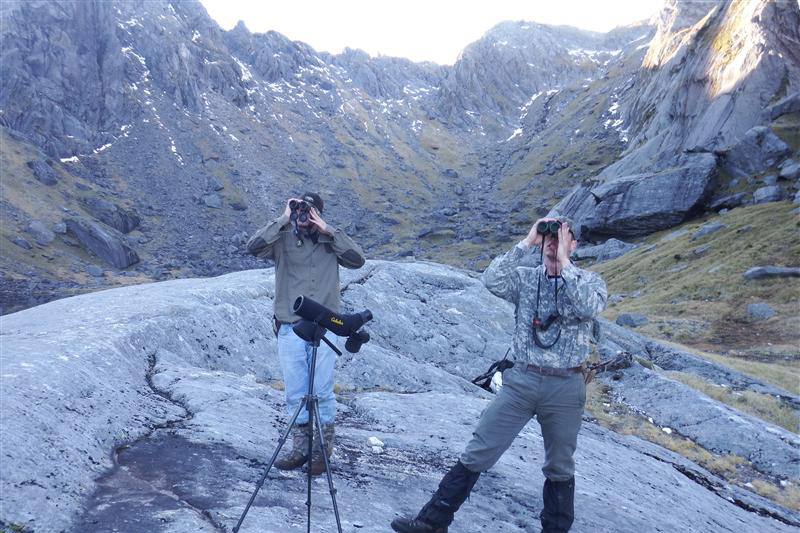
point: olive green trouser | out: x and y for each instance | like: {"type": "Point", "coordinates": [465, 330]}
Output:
{"type": "Point", "coordinates": [557, 403]}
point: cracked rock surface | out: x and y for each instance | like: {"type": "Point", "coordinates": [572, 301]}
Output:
{"type": "Point", "coordinates": [157, 407]}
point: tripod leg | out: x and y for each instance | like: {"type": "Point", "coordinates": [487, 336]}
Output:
{"type": "Point", "coordinates": [281, 442]}
{"type": "Point", "coordinates": [312, 401]}
{"type": "Point", "coordinates": [324, 453]}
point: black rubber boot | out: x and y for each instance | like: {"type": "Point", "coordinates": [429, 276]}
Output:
{"type": "Point", "coordinates": [559, 506]}
{"type": "Point", "coordinates": [412, 525]}
{"type": "Point", "coordinates": [436, 515]}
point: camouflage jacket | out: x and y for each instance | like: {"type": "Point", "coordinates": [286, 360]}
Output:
{"type": "Point", "coordinates": [581, 296]}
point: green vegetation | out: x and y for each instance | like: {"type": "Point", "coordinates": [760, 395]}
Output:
{"type": "Point", "coordinates": [699, 297]}
{"type": "Point", "coordinates": [788, 496]}
{"type": "Point", "coordinates": [697, 301]}
{"type": "Point", "coordinates": [787, 127]}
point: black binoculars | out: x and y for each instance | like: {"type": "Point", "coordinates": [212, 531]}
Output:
{"type": "Point", "coordinates": [299, 209]}
{"type": "Point", "coordinates": [549, 227]}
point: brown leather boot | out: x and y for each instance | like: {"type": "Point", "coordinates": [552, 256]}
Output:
{"type": "Point", "coordinates": [298, 455]}
{"type": "Point", "coordinates": [317, 462]}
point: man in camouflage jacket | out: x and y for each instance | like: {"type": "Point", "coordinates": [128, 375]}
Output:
{"type": "Point", "coordinates": [555, 306]}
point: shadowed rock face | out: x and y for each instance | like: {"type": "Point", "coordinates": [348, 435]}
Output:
{"type": "Point", "coordinates": [643, 203]}
{"type": "Point", "coordinates": [103, 241]}
{"type": "Point", "coordinates": [150, 408]}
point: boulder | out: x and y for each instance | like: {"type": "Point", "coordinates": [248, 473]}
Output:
{"type": "Point", "coordinates": [450, 173]}
{"type": "Point", "coordinates": [103, 241]}
{"type": "Point", "coordinates": [790, 170]}
{"type": "Point", "coordinates": [728, 202]}
{"type": "Point", "coordinates": [438, 233]}
{"type": "Point", "coordinates": [40, 232]}
{"type": "Point", "coordinates": [757, 151]}
{"type": "Point", "coordinates": [760, 311]}
{"type": "Point", "coordinates": [43, 172]}
{"type": "Point", "coordinates": [771, 193]}
{"type": "Point", "coordinates": [123, 220]}
{"type": "Point", "coordinates": [212, 200]}
{"type": "Point", "coordinates": [22, 242]}
{"type": "Point", "coordinates": [789, 104]}
{"type": "Point", "coordinates": [708, 229]}
{"type": "Point", "coordinates": [610, 249]}
{"type": "Point", "coordinates": [213, 184]}
{"type": "Point", "coordinates": [765, 272]}
{"type": "Point", "coordinates": [95, 271]}
{"type": "Point", "coordinates": [633, 320]}
{"type": "Point", "coordinates": [643, 203]}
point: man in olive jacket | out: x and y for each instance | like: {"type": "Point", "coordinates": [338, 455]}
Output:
{"type": "Point", "coordinates": [555, 303]}
{"type": "Point", "coordinates": [307, 258]}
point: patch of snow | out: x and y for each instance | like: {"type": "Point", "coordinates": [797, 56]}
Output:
{"type": "Point", "coordinates": [517, 133]}
{"type": "Point", "coordinates": [102, 148]}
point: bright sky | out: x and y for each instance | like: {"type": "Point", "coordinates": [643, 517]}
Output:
{"type": "Point", "coordinates": [420, 30]}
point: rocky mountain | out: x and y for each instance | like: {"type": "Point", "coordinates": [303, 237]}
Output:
{"type": "Point", "coordinates": [156, 408]}
{"type": "Point", "coordinates": [142, 142]}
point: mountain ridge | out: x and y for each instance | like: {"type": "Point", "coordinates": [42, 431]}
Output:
{"type": "Point", "coordinates": [203, 133]}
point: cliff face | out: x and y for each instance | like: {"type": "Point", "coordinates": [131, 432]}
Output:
{"type": "Point", "coordinates": [152, 112]}
{"type": "Point", "coordinates": [697, 105]}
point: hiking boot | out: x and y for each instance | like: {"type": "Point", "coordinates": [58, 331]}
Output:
{"type": "Point", "coordinates": [298, 455]}
{"type": "Point", "coordinates": [317, 462]}
{"type": "Point", "coordinates": [414, 525]}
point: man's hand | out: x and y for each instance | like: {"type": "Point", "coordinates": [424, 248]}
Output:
{"type": "Point", "coordinates": [315, 219]}
{"type": "Point", "coordinates": [564, 247]}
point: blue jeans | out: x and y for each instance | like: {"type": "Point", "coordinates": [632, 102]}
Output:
{"type": "Point", "coordinates": [294, 355]}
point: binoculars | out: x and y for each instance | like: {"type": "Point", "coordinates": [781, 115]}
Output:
{"type": "Point", "coordinates": [549, 227]}
{"type": "Point", "coordinates": [299, 209]}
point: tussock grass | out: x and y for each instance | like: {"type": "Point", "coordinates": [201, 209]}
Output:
{"type": "Point", "coordinates": [731, 467]}
{"type": "Point", "coordinates": [763, 406]}
{"type": "Point", "coordinates": [783, 374]}
{"type": "Point", "coordinates": [620, 420]}
{"type": "Point", "coordinates": [788, 496]}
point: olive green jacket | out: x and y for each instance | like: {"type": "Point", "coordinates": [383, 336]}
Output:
{"type": "Point", "coordinates": [303, 267]}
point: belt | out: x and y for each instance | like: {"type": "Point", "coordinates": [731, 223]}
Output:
{"type": "Point", "coordinates": [553, 371]}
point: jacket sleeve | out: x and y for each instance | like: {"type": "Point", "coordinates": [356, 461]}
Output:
{"type": "Point", "coordinates": [348, 253]}
{"type": "Point", "coordinates": [586, 290]}
{"type": "Point", "coordinates": [501, 276]}
{"type": "Point", "coordinates": [262, 243]}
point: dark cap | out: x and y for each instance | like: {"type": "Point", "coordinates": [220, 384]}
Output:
{"type": "Point", "coordinates": [314, 199]}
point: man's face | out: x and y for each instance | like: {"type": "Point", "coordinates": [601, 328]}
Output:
{"type": "Point", "coordinates": [551, 245]}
